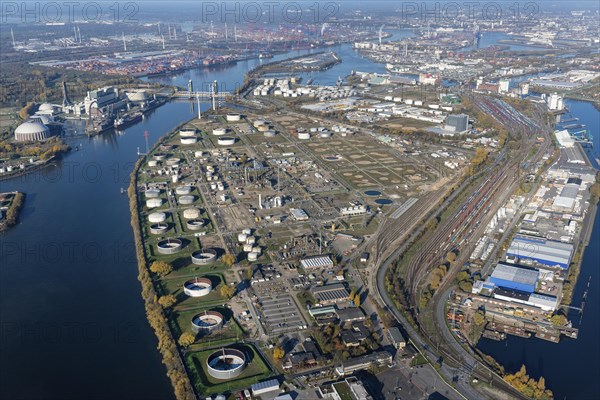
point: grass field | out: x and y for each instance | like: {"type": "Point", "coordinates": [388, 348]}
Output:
{"type": "Point", "coordinates": [256, 371]}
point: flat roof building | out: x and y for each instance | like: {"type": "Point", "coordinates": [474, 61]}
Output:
{"type": "Point", "coordinates": [316, 262]}
{"type": "Point", "coordinates": [397, 338]}
{"type": "Point", "coordinates": [546, 252]}
{"type": "Point", "coordinates": [514, 277]}
{"type": "Point", "coordinates": [329, 294]}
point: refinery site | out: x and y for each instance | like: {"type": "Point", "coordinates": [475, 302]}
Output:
{"type": "Point", "coordinates": [342, 202]}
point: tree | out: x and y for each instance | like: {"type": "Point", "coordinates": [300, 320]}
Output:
{"type": "Point", "coordinates": [228, 259]}
{"type": "Point", "coordinates": [227, 291]}
{"type": "Point", "coordinates": [478, 318]}
{"type": "Point", "coordinates": [161, 268]}
{"type": "Point", "coordinates": [167, 301]}
{"type": "Point", "coordinates": [357, 300]}
{"type": "Point", "coordinates": [462, 276]}
{"type": "Point", "coordinates": [186, 339]}
{"type": "Point", "coordinates": [559, 320]}
{"type": "Point", "coordinates": [465, 286]}
{"type": "Point", "coordinates": [451, 257]}
{"type": "Point", "coordinates": [278, 353]}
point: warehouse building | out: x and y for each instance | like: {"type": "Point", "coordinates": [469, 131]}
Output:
{"type": "Point", "coordinates": [566, 200]}
{"type": "Point", "coordinates": [329, 294]}
{"type": "Point", "coordinates": [542, 301]}
{"type": "Point", "coordinates": [539, 250]}
{"type": "Point", "coordinates": [514, 277]}
{"type": "Point", "coordinates": [313, 262]}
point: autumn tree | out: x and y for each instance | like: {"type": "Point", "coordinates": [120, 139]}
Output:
{"type": "Point", "coordinates": [228, 259]}
{"type": "Point", "coordinates": [161, 268]}
{"type": "Point", "coordinates": [227, 291]}
{"type": "Point", "coordinates": [357, 300]}
{"type": "Point", "coordinates": [278, 353]}
{"type": "Point", "coordinates": [478, 318]}
{"type": "Point", "coordinates": [186, 339]}
{"type": "Point", "coordinates": [167, 301]}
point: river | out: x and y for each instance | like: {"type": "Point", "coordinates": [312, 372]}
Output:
{"type": "Point", "coordinates": [570, 367]}
{"type": "Point", "coordinates": [72, 319]}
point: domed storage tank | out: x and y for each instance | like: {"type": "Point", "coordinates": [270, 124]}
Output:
{"type": "Point", "coordinates": [187, 133]}
{"type": "Point", "coordinates": [189, 140]}
{"type": "Point", "coordinates": [153, 203]}
{"type": "Point", "coordinates": [259, 122]}
{"type": "Point", "coordinates": [31, 131]}
{"type": "Point", "coordinates": [191, 213]}
{"type": "Point", "coordinates": [263, 128]}
{"type": "Point", "coordinates": [157, 217]}
{"type": "Point", "coordinates": [152, 193]}
{"type": "Point", "coordinates": [181, 190]}
{"type": "Point", "coordinates": [226, 141]}
{"type": "Point", "coordinates": [186, 200]}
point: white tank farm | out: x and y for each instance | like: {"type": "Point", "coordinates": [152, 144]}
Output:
{"type": "Point", "coordinates": [157, 217]}
{"type": "Point", "coordinates": [252, 256]}
{"type": "Point", "coordinates": [186, 200]}
{"type": "Point", "coordinates": [183, 190]}
{"type": "Point", "coordinates": [152, 193]}
{"type": "Point", "coordinates": [191, 213]}
{"type": "Point", "coordinates": [247, 248]}
{"type": "Point", "coordinates": [226, 141]}
{"type": "Point", "coordinates": [189, 140]}
{"type": "Point", "coordinates": [233, 117]}
{"type": "Point", "coordinates": [242, 237]}
{"type": "Point", "coordinates": [303, 135]}
{"type": "Point", "coordinates": [187, 133]}
{"type": "Point", "coordinates": [153, 203]}
{"type": "Point", "coordinates": [219, 131]}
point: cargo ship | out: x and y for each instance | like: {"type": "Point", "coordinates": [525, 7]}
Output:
{"type": "Point", "coordinates": [128, 119]}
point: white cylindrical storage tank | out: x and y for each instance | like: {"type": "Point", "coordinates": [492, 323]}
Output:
{"type": "Point", "coordinates": [213, 186]}
{"type": "Point", "coordinates": [263, 128]}
{"type": "Point", "coordinates": [247, 231]}
{"type": "Point", "coordinates": [175, 179]}
{"type": "Point", "coordinates": [157, 217]}
{"type": "Point", "coordinates": [152, 193]}
{"type": "Point", "coordinates": [242, 237]}
{"type": "Point", "coordinates": [183, 190]}
{"type": "Point", "coordinates": [226, 141]}
{"type": "Point", "coordinates": [247, 248]}
{"type": "Point", "coordinates": [198, 154]}
{"type": "Point", "coordinates": [226, 363]}
{"type": "Point", "coordinates": [197, 287]}
{"type": "Point", "coordinates": [252, 256]}
{"type": "Point", "coordinates": [270, 133]}
{"type": "Point", "coordinates": [206, 322]}
{"type": "Point", "coordinates": [250, 240]}
{"type": "Point", "coordinates": [219, 131]}
{"type": "Point", "coordinates": [233, 117]}
{"type": "Point", "coordinates": [191, 213]}
{"type": "Point", "coordinates": [187, 133]}
{"type": "Point", "coordinates": [256, 249]}
{"type": "Point", "coordinates": [171, 162]}
{"type": "Point", "coordinates": [152, 163]}
{"type": "Point", "coordinates": [159, 228]}
{"type": "Point", "coordinates": [189, 140]}
{"type": "Point", "coordinates": [153, 203]}
{"type": "Point", "coordinates": [325, 134]}
{"type": "Point", "coordinates": [195, 224]}
{"type": "Point", "coordinates": [186, 200]}
{"type": "Point", "coordinates": [169, 246]}
{"type": "Point", "coordinates": [258, 123]}
{"type": "Point", "coordinates": [303, 135]}
{"type": "Point", "coordinates": [159, 156]}
{"type": "Point", "coordinates": [204, 257]}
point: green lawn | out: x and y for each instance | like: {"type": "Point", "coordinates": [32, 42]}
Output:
{"type": "Point", "coordinates": [256, 371]}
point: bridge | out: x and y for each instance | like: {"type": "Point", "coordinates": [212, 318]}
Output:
{"type": "Point", "coordinates": [202, 95]}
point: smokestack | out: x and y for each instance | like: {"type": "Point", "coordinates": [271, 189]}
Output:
{"type": "Point", "coordinates": [215, 90]}
{"type": "Point", "coordinates": [66, 100]}
{"type": "Point", "coordinates": [235, 32]}
{"type": "Point", "coordinates": [124, 42]}
{"type": "Point", "coordinates": [199, 111]}
{"type": "Point", "coordinates": [226, 33]}
{"type": "Point", "coordinates": [79, 33]}
{"type": "Point", "coordinates": [13, 37]}
{"type": "Point", "coordinates": [260, 201]}
{"type": "Point", "coordinates": [75, 33]}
